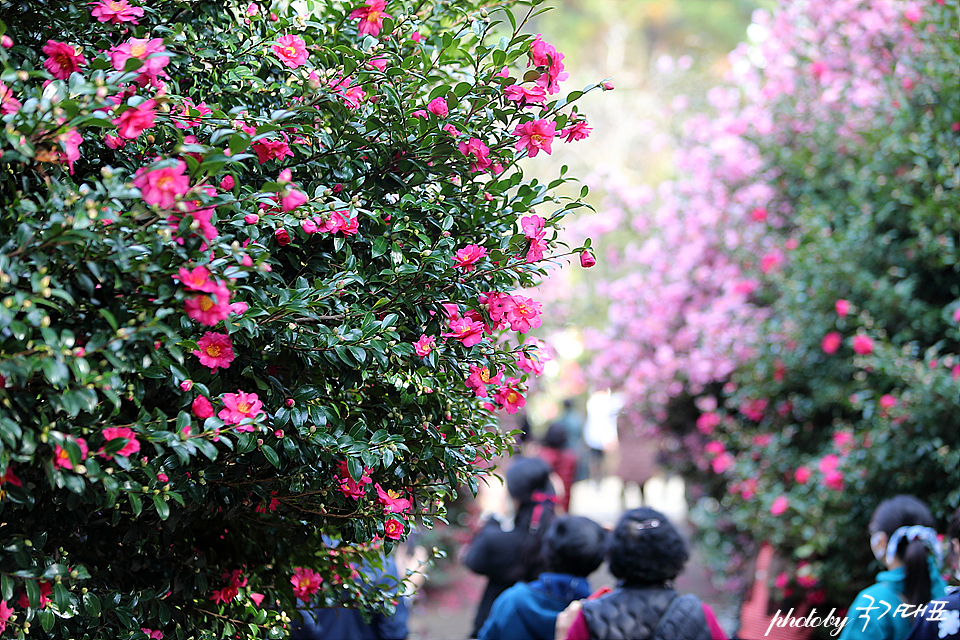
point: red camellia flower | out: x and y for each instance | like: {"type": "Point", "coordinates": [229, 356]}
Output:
{"type": "Point", "coordinates": [391, 500]}
{"type": "Point", "coordinates": [306, 582]}
{"type": "Point", "coordinates": [831, 342]}
{"type": "Point", "coordinates": [862, 344]}
{"type": "Point", "coordinates": [61, 458]}
{"type": "Point", "coordinates": [202, 408]}
{"type": "Point", "coordinates": [291, 50]}
{"type": "Point", "coordinates": [216, 350]}
{"type": "Point", "coordinates": [779, 506]}
{"type": "Point", "coordinates": [63, 59]}
{"type": "Point", "coordinates": [393, 529]}
{"type": "Point", "coordinates": [132, 445]}
{"type": "Point", "coordinates": [133, 121]}
{"type": "Point", "coordinates": [282, 236]}
{"type": "Point", "coordinates": [371, 16]}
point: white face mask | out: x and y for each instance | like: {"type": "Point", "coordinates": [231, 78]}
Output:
{"type": "Point", "coordinates": [878, 544]}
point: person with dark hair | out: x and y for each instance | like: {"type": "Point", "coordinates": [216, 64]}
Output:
{"type": "Point", "coordinates": [941, 618]}
{"type": "Point", "coordinates": [903, 538]}
{"type": "Point", "coordinates": [509, 552]}
{"type": "Point", "coordinates": [573, 548]}
{"type": "Point", "coordinates": [645, 552]}
{"type": "Point", "coordinates": [561, 459]}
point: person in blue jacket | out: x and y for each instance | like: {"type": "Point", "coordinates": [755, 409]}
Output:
{"type": "Point", "coordinates": [903, 539]}
{"type": "Point", "coordinates": [573, 548]}
{"type": "Point", "coordinates": [941, 618]}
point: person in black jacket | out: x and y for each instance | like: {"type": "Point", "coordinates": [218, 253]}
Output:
{"type": "Point", "coordinates": [645, 552]}
{"type": "Point", "coordinates": [510, 552]}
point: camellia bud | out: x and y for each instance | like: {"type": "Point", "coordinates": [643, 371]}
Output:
{"type": "Point", "coordinates": [6, 42]}
{"type": "Point", "coordinates": [587, 260]}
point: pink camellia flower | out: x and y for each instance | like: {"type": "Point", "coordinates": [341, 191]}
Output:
{"type": "Point", "coordinates": [257, 597]}
{"type": "Point", "coordinates": [842, 307]}
{"type": "Point", "coordinates": [779, 506]}
{"type": "Point", "coordinates": [227, 183]}
{"type": "Point", "coordinates": [533, 361]}
{"type": "Point", "coordinates": [282, 236]}
{"type": "Point", "coordinates": [186, 385]}
{"type": "Point", "coordinates": [714, 447]}
{"type": "Point", "coordinates": [912, 13]}
{"type": "Point", "coordinates": [707, 422]}
{"type": "Point", "coordinates": [862, 344]}
{"type": "Point", "coordinates": [251, 218]}
{"type": "Point", "coordinates": [722, 463]}
{"type": "Point", "coordinates": [306, 582]}
{"type": "Point", "coordinates": [509, 396]}
{"type": "Point", "coordinates": [759, 214]}
{"type": "Point", "coordinates": [467, 257]}
{"type": "Point", "coordinates": [532, 226]}
{"type": "Point", "coordinates": [8, 104]}
{"type": "Point", "coordinates": [116, 11]}
{"type": "Point", "coordinates": [61, 459]}
{"type": "Point", "coordinates": [393, 529]}
{"type": "Point", "coordinates": [425, 345]}
{"type": "Point", "coordinates": [70, 142]}
{"type": "Point", "coordinates": [754, 408]}
{"type": "Point", "coordinates": [578, 130]}
{"type": "Point", "coordinates": [467, 331]}
{"type": "Point", "coordinates": [438, 107]}
{"type": "Point", "coordinates": [216, 350]}
{"type": "Point", "coordinates": [185, 120]}
{"type": "Point", "coordinates": [371, 15]}
{"type": "Point", "coordinates": [831, 342]}
{"type": "Point", "coordinates": [209, 308]}
{"type": "Point", "coordinates": [162, 186]}
{"type": "Point", "coordinates": [114, 142]}
{"type": "Point", "coordinates": [201, 408]}
{"type": "Point", "coordinates": [132, 445]}
{"type": "Point", "coordinates": [240, 406]}
{"type": "Point", "coordinates": [771, 261]}
{"type": "Point", "coordinates": [887, 401]}
{"type": "Point", "coordinates": [271, 150]}
{"type": "Point", "coordinates": [291, 50]}
{"type": "Point", "coordinates": [479, 378]}
{"type": "Point", "coordinates": [543, 54]}
{"type": "Point", "coordinates": [452, 130]}
{"type": "Point", "coordinates": [535, 136]}
{"type": "Point", "coordinates": [151, 633]}
{"type": "Point", "coordinates": [801, 475]}
{"type": "Point", "coordinates": [62, 59]}
{"type": "Point", "coordinates": [6, 42]}
{"type": "Point", "coordinates": [586, 259]}
{"type": "Point", "coordinates": [391, 500]}
{"type": "Point", "coordinates": [524, 314]}
{"type": "Point", "coordinates": [141, 49]}
{"type": "Point", "coordinates": [134, 120]}
{"type": "Point", "coordinates": [476, 149]}
{"type": "Point", "coordinates": [292, 200]}
{"type": "Point", "coordinates": [344, 224]}
{"type": "Point", "coordinates": [526, 95]}
{"type": "Point", "coordinates": [350, 487]}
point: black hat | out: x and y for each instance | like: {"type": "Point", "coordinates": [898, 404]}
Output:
{"type": "Point", "coordinates": [646, 548]}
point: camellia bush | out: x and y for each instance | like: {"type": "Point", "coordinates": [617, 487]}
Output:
{"type": "Point", "coordinates": [804, 358]}
{"type": "Point", "coordinates": [260, 296]}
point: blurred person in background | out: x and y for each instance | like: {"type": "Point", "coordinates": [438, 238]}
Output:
{"type": "Point", "coordinates": [941, 618]}
{"type": "Point", "coordinates": [573, 549]}
{"type": "Point", "coordinates": [561, 458]}
{"type": "Point", "coordinates": [904, 541]}
{"type": "Point", "coordinates": [507, 548]}
{"type": "Point", "coordinates": [600, 430]}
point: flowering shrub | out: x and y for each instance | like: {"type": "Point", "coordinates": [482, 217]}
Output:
{"type": "Point", "coordinates": [251, 263]}
{"type": "Point", "coordinates": [794, 320]}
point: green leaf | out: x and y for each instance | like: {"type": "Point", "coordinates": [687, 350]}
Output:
{"type": "Point", "coordinates": [91, 604]}
{"type": "Point", "coordinates": [135, 503]}
{"type": "Point", "coordinates": [163, 509]}
{"type": "Point", "coordinates": [271, 455]}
